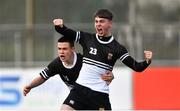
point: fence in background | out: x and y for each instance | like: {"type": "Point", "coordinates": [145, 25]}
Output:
{"type": "Point", "coordinates": [20, 47]}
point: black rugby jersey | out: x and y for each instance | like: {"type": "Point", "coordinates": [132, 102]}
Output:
{"type": "Point", "coordinates": [102, 53]}
{"type": "Point", "coordinates": [98, 57]}
{"type": "Point", "coordinates": [68, 75]}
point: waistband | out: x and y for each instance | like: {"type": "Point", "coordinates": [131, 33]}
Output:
{"type": "Point", "coordinates": [78, 86]}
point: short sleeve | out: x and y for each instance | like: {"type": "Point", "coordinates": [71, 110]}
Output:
{"type": "Point", "coordinates": [50, 70]}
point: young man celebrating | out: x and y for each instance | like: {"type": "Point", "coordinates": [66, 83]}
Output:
{"type": "Point", "coordinates": [67, 65]}
{"type": "Point", "coordinates": [100, 52]}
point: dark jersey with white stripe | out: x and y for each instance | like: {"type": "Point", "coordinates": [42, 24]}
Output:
{"type": "Point", "coordinates": [68, 75]}
{"type": "Point", "coordinates": [99, 57]}
{"type": "Point", "coordinates": [85, 38]}
{"type": "Point", "coordinates": [99, 53]}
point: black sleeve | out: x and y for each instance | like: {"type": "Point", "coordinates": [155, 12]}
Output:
{"type": "Point", "coordinates": [50, 70]}
{"type": "Point", "coordinates": [136, 66]}
{"type": "Point", "coordinates": [71, 34]}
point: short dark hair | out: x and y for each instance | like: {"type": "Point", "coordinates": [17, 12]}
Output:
{"type": "Point", "coordinates": [104, 13]}
{"type": "Point", "coordinates": [66, 39]}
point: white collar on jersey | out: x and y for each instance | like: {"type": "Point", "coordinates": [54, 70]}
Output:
{"type": "Point", "coordinates": [74, 62]}
{"type": "Point", "coordinates": [105, 42]}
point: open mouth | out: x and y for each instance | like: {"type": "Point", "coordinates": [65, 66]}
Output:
{"type": "Point", "coordinates": [62, 57]}
{"type": "Point", "coordinates": [100, 31]}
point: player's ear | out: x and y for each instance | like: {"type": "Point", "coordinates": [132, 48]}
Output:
{"type": "Point", "coordinates": [73, 48]}
{"type": "Point", "coordinates": [110, 23]}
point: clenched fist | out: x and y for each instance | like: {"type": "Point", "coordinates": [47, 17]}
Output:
{"type": "Point", "coordinates": [108, 77]}
{"type": "Point", "coordinates": [148, 56]}
{"type": "Point", "coordinates": [26, 90]}
{"type": "Point", "coordinates": [58, 22]}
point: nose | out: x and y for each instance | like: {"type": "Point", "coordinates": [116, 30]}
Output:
{"type": "Point", "coordinates": [60, 51]}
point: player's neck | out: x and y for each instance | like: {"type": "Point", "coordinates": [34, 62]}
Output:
{"type": "Point", "coordinates": [68, 63]}
{"type": "Point", "coordinates": [71, 62]}
{"type": "Point", "coordinates": [107, 38]}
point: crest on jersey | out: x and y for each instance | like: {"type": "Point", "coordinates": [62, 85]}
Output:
{"type": "Point", "coordinates": [110, 55]}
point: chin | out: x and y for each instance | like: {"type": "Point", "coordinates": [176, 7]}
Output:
{"type": "Point", "coordinates": [63, 60]}
{"type": "Point", "coordinates": [100, 34]}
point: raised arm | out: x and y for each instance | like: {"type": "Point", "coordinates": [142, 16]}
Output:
{"type": "Point", "coordinates": [62, 29]}
{"type": "Point", "coordinates": [36, 82]}
{"type": "Point", "coordinates": [138, 66]}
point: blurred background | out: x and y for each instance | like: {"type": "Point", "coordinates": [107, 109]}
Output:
{"type": "Point", "coordinates": [28, 39]}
